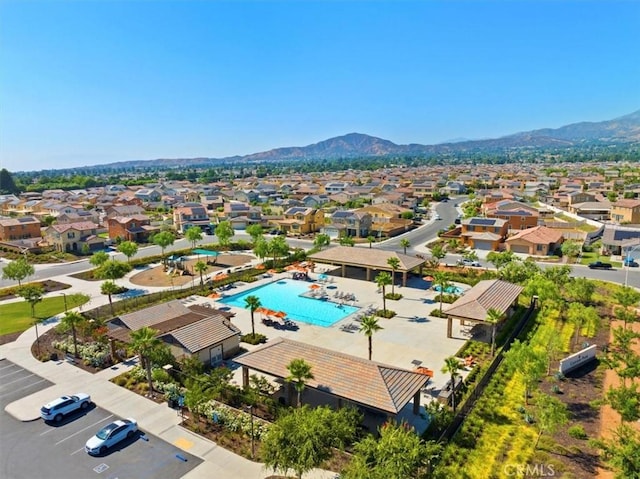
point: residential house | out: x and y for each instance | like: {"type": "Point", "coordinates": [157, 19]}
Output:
{"type": "Point", "coordinates": [617, 239]}
{"type": "Point", "coordinates": [72, 237]}
{"type": "Point", "coordinates": [187, 216]}
{"type": "Point", "coordinates": [424, 189]}
{"type": "Point", "coordinates": [484, 233]}
{"type": "Point", "coordinates": [348, 223]}
{"type": "Point", "coordinates": [594, 210]}
{"type": "Point", "coordinates": [626, 211]}
{"type": "Point", "coordinates": [124, 210]}
{"type": "Point", "coordinates": [300, 220]}
{"type": "Point", "coordinates": [25, 227]}
{"type": "Point", "coordinates": [148, 195]}
{"type": "Point", "coordinates": [315, 201]}
{"type": "Point", "coordinates": [78, 217]}
{"type": "Point", "coordinates": [136, 228]}
{"type": "Point", "coordinates": [194, 331]}
{"type": "Point", "coordinates": [453, 188]}
{"type": "Point", "coordinates": [335, 187]}
{"type": "Point", "coordinates": [240, 214]}
{"type": "Point", "coordinates": [519, 216]}
{"type": "Point", "coordinates": [536, 241]}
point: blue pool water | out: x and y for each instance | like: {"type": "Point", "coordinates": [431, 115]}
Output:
{"type": "Point", "coordinates": [285, 296]}
{"type": "Point", "coordinates": [449, 289]}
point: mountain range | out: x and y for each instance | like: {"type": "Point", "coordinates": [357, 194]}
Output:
{"type": "Point", "coordinates": [622, 130]}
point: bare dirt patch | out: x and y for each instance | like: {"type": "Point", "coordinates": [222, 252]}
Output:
{"type": "Point", "coordinates": [157, 276]}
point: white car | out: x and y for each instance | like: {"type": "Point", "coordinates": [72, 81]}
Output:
{"type": "Point", "coordinates": [58, 408]}
{"type": "Point", "coordinates": [469, 262]}
{"type": "Point", "coordinates": [437, 216]}
{"type": "Point", "coordinates": [111, 434]}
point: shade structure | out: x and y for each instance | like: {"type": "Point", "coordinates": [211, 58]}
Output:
{"type": "Point", "coordinates": [266, 311]}
{"type": "Point", "coordinates": [315, 286]}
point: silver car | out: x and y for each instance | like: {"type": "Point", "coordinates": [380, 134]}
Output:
{"type": "Point", "coordinates": [111, 434]}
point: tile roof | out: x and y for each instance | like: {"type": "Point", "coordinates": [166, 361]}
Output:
{"type": "Point", "coordinates": [487, 294]}
{"type": "Point", "coordinates": [81, 226]}
{"type": "Point", "coordinates": [154, 315]}
{"type": "Point", "coordinates": [374, 258]}
{"type": "Point", "coordinates": [376, 385]}
{"type": "Point", "coordinates": [627, 203]}
{"type": "Point", "coordinates": [204, 333]}
{"type": "Point", "coordinates": [537, 235]}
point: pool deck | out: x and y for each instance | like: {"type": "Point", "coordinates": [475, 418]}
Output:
{"type": "Point", "coordinates": [409, 339]}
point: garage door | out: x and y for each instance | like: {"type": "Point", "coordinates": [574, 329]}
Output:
{"type": "Point", "coordinates": [519, 248]}
{"type": "Point", "coordinates": [483, 245]}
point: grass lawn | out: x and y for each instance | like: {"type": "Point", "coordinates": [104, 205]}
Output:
{"type": "Point", "coordinates": [16, 317]}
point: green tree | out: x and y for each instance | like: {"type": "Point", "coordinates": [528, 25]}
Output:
{"type": "Point", "coordinates": [500, 259]}
{"type": "Point", "coordinates": [112, 270]}
{"type": "Point", "coordinates": [321, 241]}
{"type": "Point", "coordinates": [109, 288]}
{"type": "Point", "coordinates": [201, 268]}
{"type": "Point", "coordinates": [193, 235]}
{"type": "Point", "coordinates": [7, 185]}
{"type": "Point", "coordinates": [71, 320]}
{"type": "Point", "coordinates": [571, 249]}
{"type": "Point", "coordinates": [371, 239]}
{"type": "Point", "coordinates": [625, 399]}
{"type": "Point", "coordinates": [196, 398]}
{"type": "Point", "coordinates": [99, 258]}
{"type": "Point", "coordinates": [347, 241]}
{"type": "Point", "coordinates": [545, 289]}
{"type": "Point", "coordinates": [394, 263]}
{"type": "Point", "coordinates": [368, 326]}
{"type": "Point", "coordinates": [580, 290]}
{"type": "Point", "coordinates": [522, 358]}
{"type": "Point", "coordinates": [261, 248]}
{"type": "Point", "coordinates": [129, 249]}
{"type": "Point", "coordinates": [404, 244]}
{"type": "Point", "coordinates": [18, 270]}
{"type": "Point", "coordinates": [252, 303]}
{"type": "Point", "coordinates": [299, 374]}
{"type": "Point", "coordinates": [383, 279]}
{"type": "Point", "coordinates": [48, 220]}
{"type": "Point", "coordinates": [278, 248]}
{"type": "Point", "coordinates": [560, 275]}
{"type": "Point", "coordinates": [519, 272]}
{"type": "Point", "coordinates": [493, 318]}
{"type": "Point", "coordinates": [304, 438]}
{"type": "Point", "coordinates": [621, 452]}
{"type": "Point", "coordinates": [224, 232]}
{"type": "Point", "coordinates": [451, 367]}
{"type": "Point", "coordinates": [552, 348]}
{"type": "Point", "coordinates": [441, 279]}
{"type": "Point", "coordinates": [32, 294]}
{"type": "Point", "coordinates": [255, 231]}
{"type": "Point", "coordinates": [470, 255]}
{"type": "Point", "coordinates": [628, 298]}
{"type": "Point", "coordinates": [551, 414]}
{"type": "Point", "coordinates": [145, 343]}
{"type": "Point", "coordinates": [164, 239]}
{"type": "Point", "coordinates": [398, 453]}
{"type": "Point", "coordinates": [438, 253]}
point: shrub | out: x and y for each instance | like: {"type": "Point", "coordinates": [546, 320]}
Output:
{"type": "Point", "coordinates": [436, 312]}
{"type": "Point", "coordinates": [254, 338]}
{"type": "Point", "coordinates": [394, 296]}
{"type": "Point", "coordinates": [577, 432]}
{"type": "Point", "coordinates": [387, 313]}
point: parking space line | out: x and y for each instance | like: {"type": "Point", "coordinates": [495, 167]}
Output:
{"type": "Point", "coordinates": [20, 389]}
{"type": "Point", "coordinates": [84, 429]}
{"type": "Point", "coordinates": [16, 380]}
{"type": "Point", "coordinates": [11, 374]}
{"type": "Point", "coordinates": [76, 452]}
{"type": "Point", "coordinates": [10, 366]}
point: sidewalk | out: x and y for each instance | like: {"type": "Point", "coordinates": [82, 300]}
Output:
{"type": "Point", "coordinates": [156, 419]}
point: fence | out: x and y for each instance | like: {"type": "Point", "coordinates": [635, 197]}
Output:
{"type": "Point", "coordinates": [480, 386]}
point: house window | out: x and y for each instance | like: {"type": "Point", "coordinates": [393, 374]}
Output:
{"type": "Point", "coordinates": [539, 247]}
{"type": "Point", "coordinates": [71, 235]}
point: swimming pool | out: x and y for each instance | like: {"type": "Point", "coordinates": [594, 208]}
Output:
{"type": "Point", "coordinates": [284, 295]}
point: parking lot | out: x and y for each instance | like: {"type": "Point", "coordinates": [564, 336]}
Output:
{"type": "Point", "coordinates": [39, 449]}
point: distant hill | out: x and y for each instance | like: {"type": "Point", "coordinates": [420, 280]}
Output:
{"type": "Point", "coordinates": [625, 129]}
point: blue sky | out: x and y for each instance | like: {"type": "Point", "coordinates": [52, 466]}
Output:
{"type": "Point", "coordinates": [87, 82]}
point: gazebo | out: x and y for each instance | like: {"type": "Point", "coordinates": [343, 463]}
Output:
{"type": "Point", "coordinates": [488, 294]}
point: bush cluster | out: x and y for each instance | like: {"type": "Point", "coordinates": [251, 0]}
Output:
{"type": "Point", "coordinates": [94, 354]}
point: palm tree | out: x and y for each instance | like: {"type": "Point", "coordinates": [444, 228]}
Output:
{"type": "Point", "coordinates": [200, 267]}
{"type": "Point", "coordinates": [71, 319]}
{"type": "Point", "coordinates": [405, 243]}
{"type": "Point", "coordinates": [452, 366]}
{"type": "Point", "coordinates": [109, 288]}
{"type": "Point", "coordinates": [395, 264]}
{"type": "Point", "coordinates": [383, 279]}
{"type": "Point", "coordinates": [371, 239]}
{"type": "Point", "coordinates": [493, 317]}
{"type": "Point", "coordinates": [299, 374]}
{"type": "Point", "coordinates": [368, 326]}
{"type": "Point", "coordinates": [252, 303]}
{"type": "Point", "coordinates": [442, 280]}
{"type": "Point", "coordinates": [144, 342]}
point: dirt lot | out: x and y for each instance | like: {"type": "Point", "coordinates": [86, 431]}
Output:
{"type": "Point", "coordinates": [158, 277]}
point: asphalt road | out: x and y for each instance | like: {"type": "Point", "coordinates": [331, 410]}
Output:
{"type": "Point", "coordinates": [40, 450]}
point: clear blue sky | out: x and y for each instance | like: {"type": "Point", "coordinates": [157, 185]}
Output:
{"type": "Point", "coordinates": [90, 81]}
